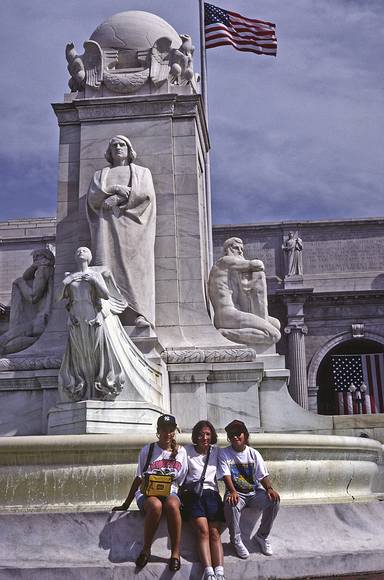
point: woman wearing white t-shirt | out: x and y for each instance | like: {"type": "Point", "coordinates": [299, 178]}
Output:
{"type": "Point", "coordinates": [206, 510]}
{"type": "Point", "coordinates": [248, 484]}
{"type": "Point", "coordinates": [162, 458]}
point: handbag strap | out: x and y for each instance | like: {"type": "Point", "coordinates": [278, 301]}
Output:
{"type": "Point", "coordinates": [149, 457]}
{"type": "Point", "coordinates": [205, 465]}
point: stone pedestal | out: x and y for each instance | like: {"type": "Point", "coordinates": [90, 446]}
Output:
{"type": "Point", "coordinates": [103, 417]}
{"type": "Point", "coordinates": [170, 137]}
{"type": "Point", "coordinates": [217, 391]}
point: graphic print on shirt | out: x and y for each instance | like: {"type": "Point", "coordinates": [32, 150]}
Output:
{"type": "Point", "coordinates": [242, 476]}
{"type": "Point", "coordinates": [164, 467]}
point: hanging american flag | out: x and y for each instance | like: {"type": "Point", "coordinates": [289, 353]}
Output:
{"type": "Point", "coordinates": [367, 369]}
{"type": "Point", "coordinates": [246, 34]}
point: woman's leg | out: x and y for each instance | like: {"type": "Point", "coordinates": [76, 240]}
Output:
{"type": "Point", "coordinates": [203, 547]}
{"type": "Point", "coordinates": [152, 510]}
{"type": "Point", "coordinates": [172, 510]}
{"type": "Point", "coordinates": [216, 546]}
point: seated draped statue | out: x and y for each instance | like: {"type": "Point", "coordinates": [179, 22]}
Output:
{"type": "Point", "coordinates": [31, 302]}
{"type": "Point", "coordinates": [238, 292]}
{"type": "Point", "coordinates": [99, 360]}
{"type": "Point", "coordinates": [121, 212]}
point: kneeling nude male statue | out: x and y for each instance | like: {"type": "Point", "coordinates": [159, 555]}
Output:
{"type": "Point", "coordinates": [238, 291]}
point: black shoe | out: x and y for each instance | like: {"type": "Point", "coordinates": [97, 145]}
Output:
{"type": "Point", "coordinates": [174, 564]}
{"type": "Point", "coordinates": [142, 559]}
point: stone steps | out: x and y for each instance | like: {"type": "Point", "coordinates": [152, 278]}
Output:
{"type": "Point", "coordinates": [309, 541]}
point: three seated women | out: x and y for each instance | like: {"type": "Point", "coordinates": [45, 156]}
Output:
{"type": "Point", "coordinates": [181, 482]}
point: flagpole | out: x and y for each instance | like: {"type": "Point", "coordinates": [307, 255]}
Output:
{"type": "Point", "coordinates": [203, 59]}
{"type": "Point", "coordinates": [204, 94]}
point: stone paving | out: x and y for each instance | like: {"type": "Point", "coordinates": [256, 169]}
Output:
{"type": "Point", "coordinates": [310, 542]}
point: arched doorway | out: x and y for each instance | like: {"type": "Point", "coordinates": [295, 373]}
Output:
{"type": "Point", "coordinates": [357, 361]}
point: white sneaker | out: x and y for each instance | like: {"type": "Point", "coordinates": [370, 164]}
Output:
{"type": "Point", "coordinates": [210, 577]}
{"type": "Point", "coordinates": [240, 549]}
{"type": "Point", "coordinates": [220, 577]}
{"type": "Point", "coordinates": [265, 545]}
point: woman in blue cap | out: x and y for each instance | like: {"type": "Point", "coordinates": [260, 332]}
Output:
{"type": "Point", "coordinates": [162, 467]}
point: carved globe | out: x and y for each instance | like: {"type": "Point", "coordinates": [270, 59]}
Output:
{"type": "Point", "coordinates": [134, 30]}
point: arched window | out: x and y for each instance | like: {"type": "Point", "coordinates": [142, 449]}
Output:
{"type": "Point", "coordinates": [357, 362]}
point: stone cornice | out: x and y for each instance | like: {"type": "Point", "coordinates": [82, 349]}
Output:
{"type": "Point", "coordinates": [223, 228]}
{"type": "Point", "coordinates": [344, 296]}
{"type": "Point", "coordinates": [123, 107]}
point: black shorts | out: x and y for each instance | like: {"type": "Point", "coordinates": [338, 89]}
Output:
{"type": "Point", "coordinates": [209, 505]}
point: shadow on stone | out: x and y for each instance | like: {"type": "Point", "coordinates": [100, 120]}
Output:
{"type": "Point", "coordinates": [116, 536]}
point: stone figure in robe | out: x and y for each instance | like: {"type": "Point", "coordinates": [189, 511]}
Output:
{"type": "Point", "coordinates": [293, 247]}
{"type": "Point", "coordinates": [100, 360]}
{"type": "Point", "coordinates": [121, 211]}
{"type": "Point", "coordinates": [31, 302]}
{"type": "Point", "coordinates": [238, 292]}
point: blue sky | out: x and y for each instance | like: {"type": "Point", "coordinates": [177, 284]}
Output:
{"type": "Point", "coordinates": [296, 137]}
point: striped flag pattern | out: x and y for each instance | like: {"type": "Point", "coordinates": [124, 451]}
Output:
{"type": "Point", "coordinates": [373, 374]}
{"type": "Point", "coordinates": [245, 34]}
{"type": "Point", "coordinates": [358, 369]}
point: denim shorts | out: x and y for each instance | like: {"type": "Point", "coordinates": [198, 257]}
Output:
{"type": "Point", "coordinates": [141, 500]}
{"type": "Point", "coordinates": [209, 505]}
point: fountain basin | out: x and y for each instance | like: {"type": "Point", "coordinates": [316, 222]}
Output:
{"type": "Point", "coordinates": [88, 472]}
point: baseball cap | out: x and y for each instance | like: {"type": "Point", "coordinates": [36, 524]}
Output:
{"type": "Point", "coordinates": [236, 426]}
{"type": "Point", "coordinates": [166, 421]}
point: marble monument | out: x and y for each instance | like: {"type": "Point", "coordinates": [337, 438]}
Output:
{"type": "Point", "coordinates": [293, 249]}
{"type": "Point", "coordinates": [238, 292]}
{"type": "Point", "coordinates": [31, 303]}
{"type": "Point", "coordinates": [121, 212]}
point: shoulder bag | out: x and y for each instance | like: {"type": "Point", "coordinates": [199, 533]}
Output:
{"type": "Point", "coordinates": [196, 487]}
{"type": "Point", "coordinates": [152, 484]}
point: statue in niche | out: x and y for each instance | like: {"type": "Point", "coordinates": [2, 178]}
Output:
{"type": "Point", "coordinates": [238, 291]}
{"type": "Point", "coordinates": [99, 361]}
{"type": "Point", "coordinates": [31, 302]}
{"type": "Point", "coordinates": [293, 247]}
{"type": "Point", "coordinates": [121, 211]}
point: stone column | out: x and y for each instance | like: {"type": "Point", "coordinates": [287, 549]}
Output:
{"type": "Point", "coordinates": [298, 386]}
{"type": "Point", "coordinates": [296, 329]}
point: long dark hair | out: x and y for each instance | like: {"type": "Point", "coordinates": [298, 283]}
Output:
{"type": "Point", "coordinates": [174, 446]}
{"type": "Point", "coordinates": [199, 426]}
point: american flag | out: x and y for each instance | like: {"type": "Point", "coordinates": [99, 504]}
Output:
{"type": "Point", "coordinates": [246, 34]}
{"type": "Point", "coordinates": [358, 369]}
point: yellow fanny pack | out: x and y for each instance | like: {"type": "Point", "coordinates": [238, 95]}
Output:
{"type": "Point", "coordinates": [157, 485]}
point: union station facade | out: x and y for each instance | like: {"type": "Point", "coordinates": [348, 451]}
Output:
{"type": "Point", "coordinates": [334, 309]}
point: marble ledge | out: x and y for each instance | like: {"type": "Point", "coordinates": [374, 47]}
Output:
{"type": "Point", "coordinates": [149, 145]}
{"type": "Point", "coordinates": [131, 127]}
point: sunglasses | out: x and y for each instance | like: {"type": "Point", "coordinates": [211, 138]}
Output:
{"type": "Point", "coordinates": [235, 434]}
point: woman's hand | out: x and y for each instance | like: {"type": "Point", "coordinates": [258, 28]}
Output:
{"type": "Point", "coordinates": [120, 508]}
{"type": "Point", "coordinates": [273, 495]}
{"type": "Point", "coordinates": [232, 497]}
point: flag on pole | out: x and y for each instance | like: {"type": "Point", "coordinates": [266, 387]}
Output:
{"type": "Point", "coordinates": [245, 34]}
